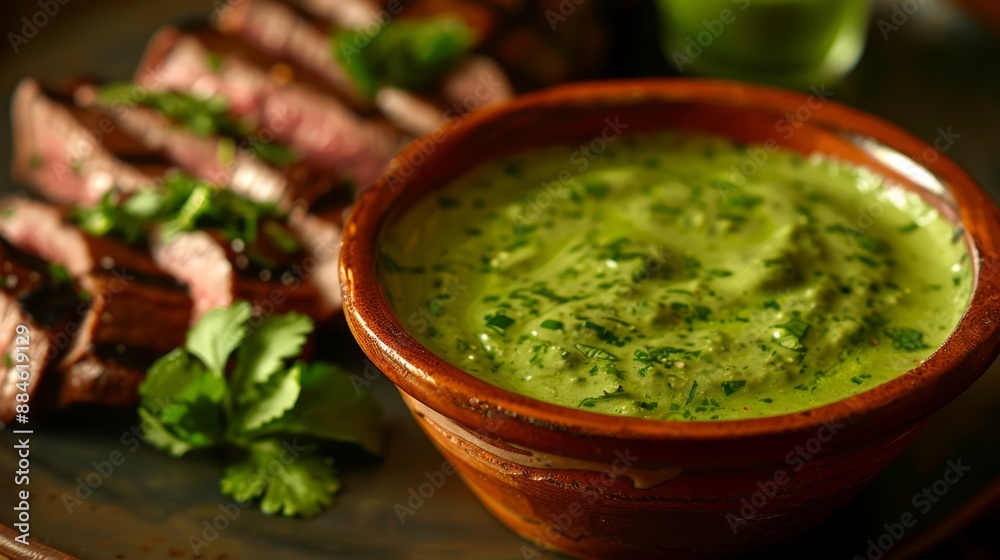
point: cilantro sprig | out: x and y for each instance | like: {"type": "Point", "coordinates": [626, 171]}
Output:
{"type": "Point", "coordinates": [204, 116]}
{"type": "Point", "coordinates": [408, 54]}
{"type": "Point", "coordinates": [184, 203]}
{"type": "Point", "coordinates": [241, 387]}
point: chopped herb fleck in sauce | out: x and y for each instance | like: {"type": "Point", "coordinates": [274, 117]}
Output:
{"type": "Point", "coordinates": [662, 284]}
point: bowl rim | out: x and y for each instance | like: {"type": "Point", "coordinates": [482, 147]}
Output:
{"type": "Point", "coordinates": [949, 370]}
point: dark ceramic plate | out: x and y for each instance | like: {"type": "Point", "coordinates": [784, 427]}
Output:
{"type": "Point", "coordinates": [926, 77]}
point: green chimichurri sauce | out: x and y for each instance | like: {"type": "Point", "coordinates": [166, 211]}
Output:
{"type": "Point", "coordinates": [658, 281]}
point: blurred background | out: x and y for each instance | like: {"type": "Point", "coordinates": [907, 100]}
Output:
{"type": "Point", "coordinates": [924, 64]}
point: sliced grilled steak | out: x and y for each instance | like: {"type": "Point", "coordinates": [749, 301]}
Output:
{"type": "Point", "coordinates": [346, 14]}
{"type": "Point", "coordinates": [104, 376]}
{"type": "Point", "coordinates": [478, 82]}
{"type": "Point", "coordinates": [323, 131]}
{"type": "Point", "coordinates": [281, 32]}
{"type": "Point", "coordinates": [28, 350]}
{"type": "Point", "coordinates": [217, 274]}
{"type": "Point", "coordinates": [321, 239]}
{"type": "Point", "coordinates": [211, 158]}
{"type": "Point", "coordinates": [410, 113]}
{"type": "Point", "coordinates": [44, 293]}
{"type": "Point", "coordinates": [63, 158]}
{"type": "Point", "coordinates": [198, 260]}
{"type": "Point", "coordinates": [208, 158]}
{"type": "Point", "coordinates": [121, 296]}
{"type": "Point", "coordinates": [134, 310]}
{"type": "Point", "coordinates": [209, 268]}
{"type": "Point", "coordinates": [64, 367]}
{"type": "Point", "coordinates": [41, 229]}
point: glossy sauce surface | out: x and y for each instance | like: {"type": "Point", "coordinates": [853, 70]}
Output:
{"type": "Point", "coordinates": [659, 281]}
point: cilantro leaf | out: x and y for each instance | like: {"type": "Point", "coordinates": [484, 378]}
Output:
{"type": "Point", "coordinates": [145, 204]}
{"type": "Point", "coordinates": [306, 487]}
{"type": "Point", "coordinates": [595, 353]}
{"type": "Point", "coordinates": [183, 203]}
{"type": "Point", "coordinates": [157, 435]}
{"type": "Point", "coordinates": [217, 334]}
{"type": "Point", "coordinates": [178, 377]}
{"type": "Point", "coordinates": [740, 199]}
{"type": "Point", "coordinates": [275, 397]}
{"type": "Point", "coordinates": [205, 116]}
{"type": "Point", "coordinates": [59, 274]}
{"type": "Point", "coordinates": [795, 330]}
{"type": "Point", "coordinates": [331, 407]}
{"type": "Point", "coordinates": [275, 154]}
{"type": "Point", "coordinates": [692, 392]}
{"type": "Point", "coordinates": [499, 322]}
{"type": "Point", "coordinates": [730, 387]}
{"type": "Point", "coordinates": [905, 338]}
{"type": "Point", "coordinates": [590, 402]}
{"type": "Point", "coordinates": [198, 423]}
{"type": "Point", "coordinates": [243, 479]}
{"type": "Point", "coordinates": [303, 484]}
{"type": "Point", "coordinates": [265, 349]}
{"type": "Point", "coordinates": [103, 218]}
{"type": "Point", "coordinates": [195, 205]}
{"type": "Point", "coordinates": [188, 403]}
{"type": "Point", "coordinates": [409, 54]}
{"type": "Point", "coordinates": [185, 400]}
{"type": "Point", "coordinates": [281, 238]}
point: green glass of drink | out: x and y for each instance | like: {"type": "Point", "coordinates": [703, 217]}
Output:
{"type": "Point", "coordinates": [789, 43]}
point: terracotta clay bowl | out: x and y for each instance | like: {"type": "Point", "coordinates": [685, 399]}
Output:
{"type": "Point", "coordinates": [598, 486]}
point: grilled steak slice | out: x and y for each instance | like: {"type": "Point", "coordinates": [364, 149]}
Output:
{"type": "Point", "coordinates": [217, 274]}
{"type": "Point", "coordinates": [120, 297]}
{"type": "Point", "coordinates": [208, 158]}
{"type": "Point", "coordinates": [282, 33]}
{"type": "Point", "coordinates": [196, 259]}
{"type": "Point", "coordinates": [29, 350]}
{"type": "Point", "coordinates": [478, 82]}
{"type": "Point", "coordinates": [321, 240]}
{"type": "Point", "coordinates": [134, 310]}
{"type": "Point", "coordinates": [211, 158]}
{"type": "Point", "coordinates": [60, 156]}
{"type": "Point", "coordinates": [42, 230]}
{"type": "Point", "coordinates": [60, 322]}
{"type": "Point", "coordinates": [39, 229]}
{"type": "Point", "coordinates": [345, 14]}
{"type": "Point", "coordinates": [198, 262]}
{"type": "Point", "coordinates": [104, 376]}
{"type": "Point", "coordinates": [328, 136]}
{"type": "Point", "coordinates": [408, 112]}
{"type": "Point", "coordinates": [74, 155]}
